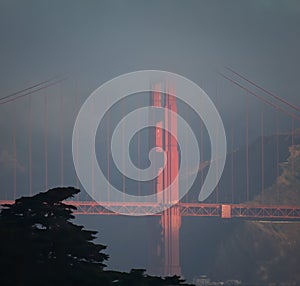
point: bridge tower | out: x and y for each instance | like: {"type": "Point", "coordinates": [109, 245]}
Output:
{"type": "Point", "coordinates": [171, 218]}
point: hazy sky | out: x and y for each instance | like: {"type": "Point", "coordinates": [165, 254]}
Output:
{"type": "Point", "coordinates": [94, 41]}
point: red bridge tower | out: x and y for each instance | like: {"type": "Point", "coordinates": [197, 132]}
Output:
{"type": "Point", "coordinates": [170, 218]}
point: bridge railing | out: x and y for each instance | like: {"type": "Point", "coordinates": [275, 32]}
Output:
{"type": "Point", "coordinates": [224, 211]}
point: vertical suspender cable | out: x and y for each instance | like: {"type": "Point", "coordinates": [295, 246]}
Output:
{"type": "Point", "coordinates": [76, 134]}
{"type": "Point", "coordinates": [93, 148]}
{"type": "Point", "coordinates": [217, 147]}
{"type": "Point", "coordinates": [30, 144]}
{"type": "Point", "coordinates": [108, 150]}
{"type": "Point", "coordinates": [293, 143]}
{"type": "Point", "coordinates": [139, 150]}
{"type": "Point", "coordinates": [262, 154]}
{"type": "Point", "coordinates": [61, 138]}
{"type": "Point", "coordinates": [15, 151]}
{"type": "Point", "coordinates": [123, 150]}
{"type": "Point", "coordinates": [217, 163]}
{"type": "Point", "coordinates": [46, 140]}
{"type": "Point", "coordinates": [201, 150]}
{"type": "Point", "coordinates": [152, 140]}
{"type": "Point", "coordinates": [247, 146]}
{"type": "Point", "coordinates": [232, 163]}
{"type": "Point", "coordinates": [186, 152]}
{"type": "Point", "coordinates": [277, 153]}
{"type": "Point", "coordinates": [201, 147]}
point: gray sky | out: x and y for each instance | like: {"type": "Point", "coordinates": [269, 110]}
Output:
{"type": "Point", "coordinates": [94, 41]}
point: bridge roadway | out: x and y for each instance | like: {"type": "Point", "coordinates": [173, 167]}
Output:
{"type": "Point", "coordinates": [225, 211]}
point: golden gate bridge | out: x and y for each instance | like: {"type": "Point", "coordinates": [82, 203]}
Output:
{"type": "Point", "coordinates": [170, 219]}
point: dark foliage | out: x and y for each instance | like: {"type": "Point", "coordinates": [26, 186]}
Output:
{"type": "Point", "coordinates": [138, 277]}
{"type": "Point", "coordinates": [39, 245]}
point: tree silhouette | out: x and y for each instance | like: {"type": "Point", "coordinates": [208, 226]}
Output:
{"type": "Point", "coordinates": [39, 245]}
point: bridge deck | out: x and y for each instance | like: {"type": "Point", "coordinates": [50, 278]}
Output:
{"type": "Point", "coordinates": [226, 211]}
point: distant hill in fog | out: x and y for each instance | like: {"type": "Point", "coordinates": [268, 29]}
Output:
{"type": "Point", "coordinates": [265, 252]}
{"type": "Point", "coordinates": [233, 184]}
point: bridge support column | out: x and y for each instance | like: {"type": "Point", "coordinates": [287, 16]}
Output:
{"type": "Point", "coordinates": [170, 218]}
{"type": "Point", "coordinates": [171, 222]}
